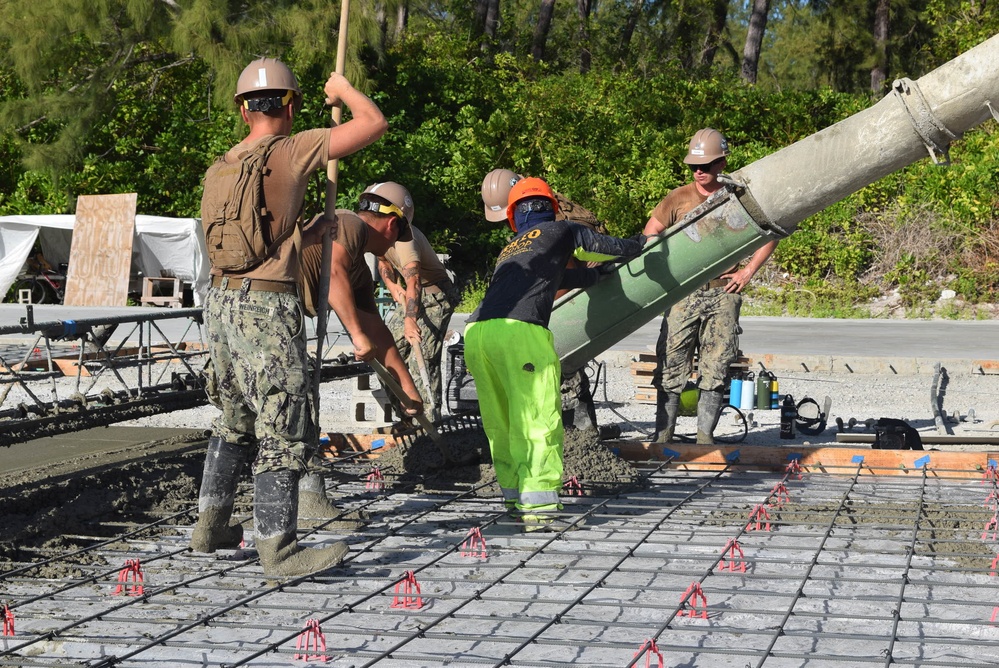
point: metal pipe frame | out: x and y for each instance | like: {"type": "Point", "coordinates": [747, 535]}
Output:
{"type": "Point", "coordinates": [124, 367]}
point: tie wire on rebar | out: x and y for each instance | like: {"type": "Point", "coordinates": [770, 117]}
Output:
{"type": "Point", "coordinates": [815, 561]}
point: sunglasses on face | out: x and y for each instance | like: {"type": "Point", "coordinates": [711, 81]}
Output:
{"type": "Point", "coordinates": [706, 168]}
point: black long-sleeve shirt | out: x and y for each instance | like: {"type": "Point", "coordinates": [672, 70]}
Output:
{"type": "Point", "coordinates": [532, 268]}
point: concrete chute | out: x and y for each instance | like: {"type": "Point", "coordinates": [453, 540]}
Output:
{"type": "Point", "coordinates": [768, 199]}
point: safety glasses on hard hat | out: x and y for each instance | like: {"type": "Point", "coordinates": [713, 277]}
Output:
{"type": "Point", "coordinates": [378, 207]}
{"type": "Point", "coordinates": [268, 103]}
{"type": "Point", "coordinates": [534, 204]}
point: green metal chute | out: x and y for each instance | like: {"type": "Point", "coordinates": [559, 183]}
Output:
{"type": "Point", "coordinates": [709, 240]}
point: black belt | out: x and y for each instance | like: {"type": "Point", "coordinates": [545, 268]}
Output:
{"type": "Point", "coordinates": [256, 285]}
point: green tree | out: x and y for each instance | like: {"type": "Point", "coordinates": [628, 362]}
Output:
{"type": "Point", "coordinates": [72, 57]}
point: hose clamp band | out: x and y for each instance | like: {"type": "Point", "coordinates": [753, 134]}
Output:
{"type": "Point", "coordinates": [934, 134]}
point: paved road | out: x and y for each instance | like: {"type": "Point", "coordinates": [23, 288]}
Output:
{"type": "Point", "coordinates": [977, 340]}
{"type": "Point", "coordinates": [949, 339]}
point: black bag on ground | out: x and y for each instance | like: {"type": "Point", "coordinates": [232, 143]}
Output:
{"type": "Point", "coordinates": [892, 434]}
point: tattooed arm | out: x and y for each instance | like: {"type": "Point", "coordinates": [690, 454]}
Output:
{"type": "Point", "coordinates": [387, 273]}
{"type": "Point", "coordinates": [414, 301]}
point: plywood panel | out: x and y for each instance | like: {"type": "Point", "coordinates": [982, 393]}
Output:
{"type": "Point", "coordinates": [101, 255]}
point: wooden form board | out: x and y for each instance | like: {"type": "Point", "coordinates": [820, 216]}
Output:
{"type": "Point", "coordinates": [100, 257]}
{"type": "Point", "coordinates": [644, 367]}
{"type": "Point", "coordinates": [832, 460]}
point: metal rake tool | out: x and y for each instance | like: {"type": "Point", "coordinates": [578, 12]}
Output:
{"type": "Point", "coordinates": [396, 389]}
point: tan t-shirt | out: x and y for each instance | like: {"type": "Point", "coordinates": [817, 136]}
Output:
{"type": "Point", "coordinates": [352, 235]}
{"type": "Point", "coordinates": [677, 204]}
{"type": "Point", "coordinates": [432, 271]}
{"type": "Point", "coordinates": [291, 162]}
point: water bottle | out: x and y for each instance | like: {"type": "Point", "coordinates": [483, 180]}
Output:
{"type": "Point", "coordinates": [763, 384]}
{"type": "Point", "coordinates": [774, 394]}
{"type": "Point", "coordinates": [788, 413]}
{"type": "Point", "coordinates": [748, 392]}
{"type": "Point", "coordinates": [735, 391]}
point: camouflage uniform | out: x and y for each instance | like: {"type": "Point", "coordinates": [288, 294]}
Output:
{"type": "Point", "coordinates": [257, 346]}
{"type": "Point", "coordinates": [435, 315]}
{"type": "Point", "coordinates": [569, 210]}
{"type": "Point", "coordinates": [578, 410]}
{"type": "Point", "coordinates": [709, 320]}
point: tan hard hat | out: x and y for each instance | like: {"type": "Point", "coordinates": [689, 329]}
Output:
{"type": "Point", "coordinates": [400, 202]}
{"type": "Point", "coordinates": [706, 145]}
{"type": "Point", "coordinates": [496, 189]}
{"type": "Point", "coordinates": [267, 74]}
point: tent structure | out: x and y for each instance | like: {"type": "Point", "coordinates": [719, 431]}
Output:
{"type": "Point", "coordinates": [162, 247]}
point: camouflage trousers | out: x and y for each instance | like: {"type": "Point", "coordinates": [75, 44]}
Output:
{"type": "Point", "coordinates": [707, 321]}
{"type": "Point", "coordinates": [259, 375]}
{"type": "Point", "coordinates": [578, 410]}
{"type": "Point", "coordinates": [435, 316]}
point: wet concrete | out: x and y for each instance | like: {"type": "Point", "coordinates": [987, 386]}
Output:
{"type": "Point", "coordinates": [77, 447]}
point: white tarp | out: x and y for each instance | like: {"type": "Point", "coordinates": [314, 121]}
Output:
{"type": "Point", "coordinates": [162, 247]}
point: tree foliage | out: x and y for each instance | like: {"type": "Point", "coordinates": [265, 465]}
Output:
{"type": "Point", "coordinates": [133, 96]}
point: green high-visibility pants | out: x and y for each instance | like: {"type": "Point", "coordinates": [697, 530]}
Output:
{"type": "Point", "coordinates": [517, 373]}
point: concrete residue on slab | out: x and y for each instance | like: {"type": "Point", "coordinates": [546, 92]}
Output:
{"type": "Point", "coordinates": [721, 567]}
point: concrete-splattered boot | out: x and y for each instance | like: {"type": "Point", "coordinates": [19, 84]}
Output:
{"type": "Point", "coordinates": [315, 505]}
{"type": "Point", "coordinates": [667, 408]}
{"type": "Point", "coordinates": [709, 407]}
{"type": "Point", "coordinates": [215, 528]}
{"type": "Point", "coordinates": [275, 516]}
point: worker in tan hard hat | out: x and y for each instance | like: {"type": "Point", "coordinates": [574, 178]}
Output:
{"type": "Point", "coordinates": [708, 318]}
{"type": "Point", "coordinates": [253, 312]}
{"type": "Point", "coordinates": [382, 219]}
{"type": "Point", "coordinates": [496, 189]}
{"type": "Point", "coordinates": [578, 410]}
{"type": "Point", "coordinates": [384, 212]}
{"type": "Point", "coordinates": [425, 298]}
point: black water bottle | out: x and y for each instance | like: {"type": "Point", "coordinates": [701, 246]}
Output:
{"type": "Point", "coordinates": [788, 414]}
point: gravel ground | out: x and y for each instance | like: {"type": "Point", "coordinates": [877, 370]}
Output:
{"type": "Point", "coordinates": [860, 396]}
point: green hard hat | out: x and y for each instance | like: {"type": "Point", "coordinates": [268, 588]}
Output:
{"type": "Point", "coordinates": [688, 401]}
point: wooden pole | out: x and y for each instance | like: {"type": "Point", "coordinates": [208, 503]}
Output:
{"type": "Point", "coordinates": [322, 299]}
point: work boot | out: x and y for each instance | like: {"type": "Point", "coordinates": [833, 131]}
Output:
{"type": "Point", "coordinates": [314, 504]}
{"type": "Point", "coordinates": [275, 515]}
{"type": "Point", "coordinates": [667, 408]}
{"type": "Point", "coordinates": [215, 528]}
{"type": "Point", "coordinates": [709, 407]}
{"type": "Point", "coordinates": [538, 522]}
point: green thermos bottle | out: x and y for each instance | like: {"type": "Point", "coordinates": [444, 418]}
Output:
{"type": "Point", "coordinates": [764, 383]}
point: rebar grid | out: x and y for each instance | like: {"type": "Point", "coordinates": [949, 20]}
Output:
{"type": "Point", "coordinates": [854, 570]}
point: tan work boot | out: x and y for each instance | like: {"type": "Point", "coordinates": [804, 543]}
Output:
{"type": "Point", "coordinates": [315, 507]}
{"type": "Point", "coordinates": [709, 407]}
{"type": "Point", "coordinates": [275, 514]}
{"type": "Point", "coordinates": [545, 522]}
{"type": "Point", "coordinates": [216, 530]}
